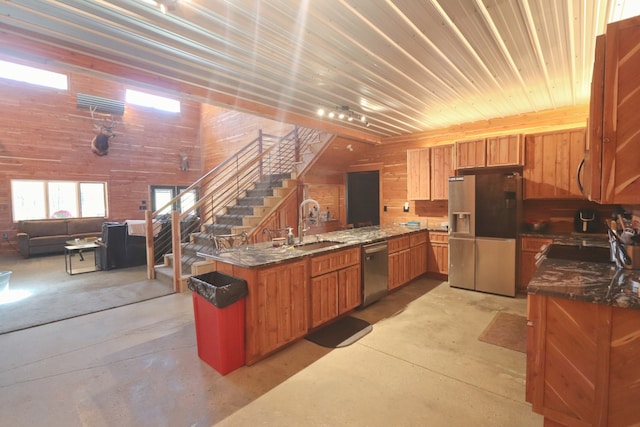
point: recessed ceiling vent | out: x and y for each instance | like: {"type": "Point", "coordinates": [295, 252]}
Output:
{"type": "Point", "coordinates": [100, 105]}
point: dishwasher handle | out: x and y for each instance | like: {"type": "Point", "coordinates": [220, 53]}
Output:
{"type": "Point", "coordinates": [374, 248]}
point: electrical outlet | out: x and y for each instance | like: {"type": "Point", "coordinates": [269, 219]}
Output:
{"type": "Point", "coordinates": [5, 236]}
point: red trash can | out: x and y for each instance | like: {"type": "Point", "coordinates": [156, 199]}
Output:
{"type": "Point", "coordinates": [219, 308]}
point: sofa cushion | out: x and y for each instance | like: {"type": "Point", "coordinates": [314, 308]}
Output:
{"type": "Point", "coordinates": [79, 226]}
{"type": "Point", "coordinates": [45, 227]}
{"type": "Point", "coordinates": [55, 241]}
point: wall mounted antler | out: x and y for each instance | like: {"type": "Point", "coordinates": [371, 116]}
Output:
{"type": "Point", "coordinates": [100, 142]}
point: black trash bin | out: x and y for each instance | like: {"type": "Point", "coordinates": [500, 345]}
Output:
{"type": "Point", "coordinates": [219, 307]}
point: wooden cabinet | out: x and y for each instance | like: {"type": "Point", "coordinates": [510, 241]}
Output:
{"type": "Point", "coordinates": [505, 150]}
{"type": "Point", "coordinates": [418, 254]}
{"type": "Point", "coordinates": [419, 174]}
{"type": "Point", "coordinates": [441, 170]}
{"type": "Point", "coordinates": [335, 285]}
{"type": "Point", "coordinates": [428, 171]}
{"type": "Point", "coordinates": [529, 247]}
{"type": "Point", "coordinates": [438, 253]}
{"type": "Point", "coordinates": [276, 307]}
{"type": "Point", "coordinates": [349, 289]}
{"type": "Point", "coordinates": [612, 166]}
{"type": "Point", "coordinates": [399, 261]}
{"type": "Point", "coordinates": [552, 162]}
{"type": "Point", "coordinates": [324, 298]}
{"type": "Point", "coordinates": [582, 362]}
{"type": "Point", "coordinates": [471, 154]}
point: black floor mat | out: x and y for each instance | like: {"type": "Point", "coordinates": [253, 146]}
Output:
{"type": "Point", "coordinates": [341, 333]}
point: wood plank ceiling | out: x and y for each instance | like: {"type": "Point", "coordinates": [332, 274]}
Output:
{"type": "Point", "coordinates": [407, 65]}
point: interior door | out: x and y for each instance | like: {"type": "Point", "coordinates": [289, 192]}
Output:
{"type": "Point", "coordinates": [363, 198]}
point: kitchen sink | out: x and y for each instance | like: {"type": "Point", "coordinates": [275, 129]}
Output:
{"type": "Point", "coordinates": [312, 246]}
{"type": "Point", "coordinates": [579, 253]}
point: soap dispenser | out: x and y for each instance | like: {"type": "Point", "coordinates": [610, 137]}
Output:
{"type": "Point", "coordinates": [290, 236]}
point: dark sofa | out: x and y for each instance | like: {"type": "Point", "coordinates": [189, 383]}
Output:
{"type": "Point", "coordinates": [44, 236]}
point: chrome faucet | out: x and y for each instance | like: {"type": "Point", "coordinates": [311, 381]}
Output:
{"type": "Point", "coordinates": [301, 218]}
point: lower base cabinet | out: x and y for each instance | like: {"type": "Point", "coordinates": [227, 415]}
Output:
{"type": "Point", "coordinates": [438, 253]}
{"type": "Point", "coordinates": [583, 362]}
{"type": "Point", "coordinates": [335, 285]}
{"type": "Point", "coordinates": [276, 309]}
{"type": "Point", "coordinates": [399, 261]}
{"type": "Point", "coordinates": [529, 248]}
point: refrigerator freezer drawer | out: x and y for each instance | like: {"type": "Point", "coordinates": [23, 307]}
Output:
{"type": "Point", "coordinates": [496, 266]}
{"type": "Point", "coordinates": [462, 262]}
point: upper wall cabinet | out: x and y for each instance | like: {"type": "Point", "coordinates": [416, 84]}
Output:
{"type": "Point", "coordinates": [503, 150]}
{"type": "Point", "coordinates": [471, 154]}
{"type": "Point", "coordinates": [428, 171]}
{"type": "Point", "coordinates": [612, 165]}
{"type": "Point", "coordinates": [418, 174]}
{"type": "Point", "coordinates": [441, 170]}
{"type": "Point", "coordinates": [552, 161]}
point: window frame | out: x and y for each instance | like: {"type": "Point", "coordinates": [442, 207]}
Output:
{"type": "Point", "coordinates": [175, 190]}
{"type": "Point", "coordinates": [46, 201]}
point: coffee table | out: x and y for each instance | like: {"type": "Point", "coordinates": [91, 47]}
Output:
{"type": "Point", "coordinates": [77, 246]}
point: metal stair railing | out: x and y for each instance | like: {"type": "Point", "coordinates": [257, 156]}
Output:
{"type": "Point", "coordinates": [267, 155]}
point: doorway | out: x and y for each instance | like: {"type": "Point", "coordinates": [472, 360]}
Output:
{"type": "Point", "coordinates": [363, 198]}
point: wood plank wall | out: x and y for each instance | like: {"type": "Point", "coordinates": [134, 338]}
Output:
{"type": "Point", "coordinates": [43, 135]}
{"type": "Point", "coordinates": [224, 132]}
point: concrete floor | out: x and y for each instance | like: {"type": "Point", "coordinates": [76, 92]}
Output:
{"type": "Point", "coordinates": [422, 365]}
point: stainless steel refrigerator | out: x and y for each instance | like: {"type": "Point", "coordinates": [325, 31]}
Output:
{"type": "Point", "coordinates": [484, 216]}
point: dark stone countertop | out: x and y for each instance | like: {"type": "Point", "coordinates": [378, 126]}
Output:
{"type": "Point", "coordinates": [264, 254]}
{"type": "Point", "coordinates": [596, 282]}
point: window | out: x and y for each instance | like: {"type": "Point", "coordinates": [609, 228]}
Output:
{"type": "Point", "coordinates": [162, 194]}
{"type": "Point", "coordinates": [36, 76]}
{"type": "Point", "coordinates": [33, 199]}
{"type": "Point", "coordinates": [152, 101]}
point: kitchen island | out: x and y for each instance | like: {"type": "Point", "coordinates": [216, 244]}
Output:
{"type": "Point", "coordinates": [583, 343]}
{"type": "Point", "coordinates": [293, 290]}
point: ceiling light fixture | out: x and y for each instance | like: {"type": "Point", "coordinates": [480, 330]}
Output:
{"type": "Point", "coordinates": [343, 112]}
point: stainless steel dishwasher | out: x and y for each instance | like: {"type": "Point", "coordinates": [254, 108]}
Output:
{"type": "Point", "coordinates": [375, 272]}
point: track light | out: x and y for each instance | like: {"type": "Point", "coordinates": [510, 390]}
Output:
{"type": "Point", "coordinates": [343, 113]}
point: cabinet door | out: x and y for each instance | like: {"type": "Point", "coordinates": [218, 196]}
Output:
{"type": "Point", "coordinates": [418, 260]}
{"type": "Point", "coordinates": [621, 115]}
{"type": "Point", "coordinates": [552, 161]}
{"type": "Point", "coordinates": [438, 253]}
{"type": "Point", "coordinates": [471, 154]}
{"type": "Point", "coordinates": [441, 170]}
{"type": "Point", "coordinates": [349, 289]}
{"type": "Point", "coordinates": [399, 268]}
{"type": "Point", "coordinates": [504, 150]}
{"type": "Point", "coordinates": [592, 173]}
{"type": "Point", "coordinates": [418, 174]}
{"type": "Point", "coordinates": [324, 298]}
{"type": "Point", "coordinates": [277, 308]}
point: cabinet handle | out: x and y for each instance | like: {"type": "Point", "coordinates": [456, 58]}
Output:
{"type": "Point", "coordinates": [578, 176]}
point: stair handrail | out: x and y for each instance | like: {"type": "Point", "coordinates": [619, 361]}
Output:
{"type": "Point", "coordinates": [290, 148]}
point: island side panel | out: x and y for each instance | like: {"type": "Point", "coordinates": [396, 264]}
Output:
{"type": "Point", "coordinates": [276, 307]}
{"type": "Point", "coordinates": [572, 364]}
{"type": "Point", "coordinates": [624, 368]}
